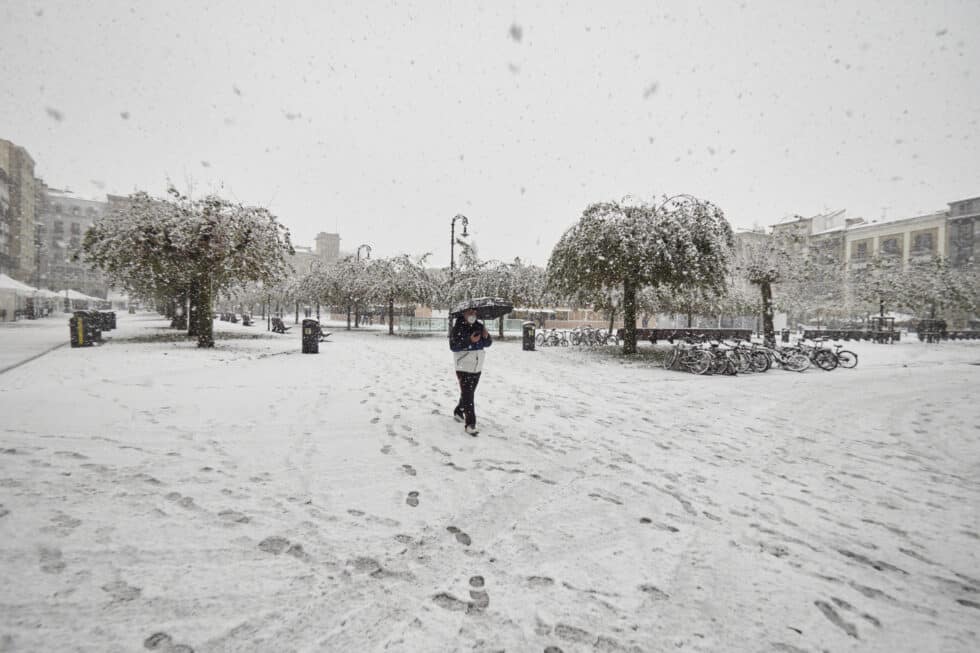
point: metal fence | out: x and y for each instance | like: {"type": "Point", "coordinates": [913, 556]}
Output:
{"type": "Point", "coordinates": [440, 324]}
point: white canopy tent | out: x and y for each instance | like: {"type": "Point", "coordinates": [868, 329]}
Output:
{"type": "Point", "coordinates": [9, 283]}
{"type": "Point", "coordinates": [74, 294]}
{"type": "Point", "coordinates": [13, 296]}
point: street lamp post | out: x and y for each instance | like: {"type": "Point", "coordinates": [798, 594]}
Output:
{"type": "Point", "coordinates": [452, 243]}
{"type": "Point", "coordinates": [452, 256]}
{"type": "Point", "coordinates": [357, 312]}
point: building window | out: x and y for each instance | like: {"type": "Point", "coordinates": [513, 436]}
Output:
{"type": "Point", "coordinates": [76, 228]}
{"type": "Point", "coordinates": [57, 209]}
{"type": "Point", "coordinates": [889, 247]}
{"type": "Point", "coordinates": [922, 243]}
{"type": "Point", "coordinates": [59, 227]}
{"type": "Point", "coordinates": [860, 251]}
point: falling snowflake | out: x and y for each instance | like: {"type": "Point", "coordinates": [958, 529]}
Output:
{"type": "Point", "coordinates": [516, 32]}
{"type": "Point", "coordinates": [55, 114]}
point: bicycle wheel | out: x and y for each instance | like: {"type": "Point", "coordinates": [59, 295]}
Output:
{"type": "Point", "coordinates": [698, 361]}
{"type": "Point", "coordinates": [743, 364]}
{"type": "Point", "coordinates": [576, 339]}
{"type": "Point", "coordinates": [795, 362]}
{"type": "Point", "coordinates": [825, 359]}
{"type": "Point", "coordinates": [847, 358]}
{"type": "Point", "coordinates": [718, 364]}
{"type": "Point", "coordinates": [539, 340]}
{"type": "Point", "coordinates": [760, 361]}
{"type": "Point", "coordinates": [729, 369]}
{"type": "Point", "coordinates": [670, 358]}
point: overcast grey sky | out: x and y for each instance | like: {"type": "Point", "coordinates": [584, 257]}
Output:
{"type": "Point", "coordinates": [382, 120]}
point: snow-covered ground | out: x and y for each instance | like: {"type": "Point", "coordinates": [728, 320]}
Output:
{"type": "Point", "coordinates": [24, 339]}
{"type": "Point", "coordinates": [252, 498]}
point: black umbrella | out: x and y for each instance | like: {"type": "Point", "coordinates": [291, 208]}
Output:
{"type": "Point", "coordinates": [487, 308]}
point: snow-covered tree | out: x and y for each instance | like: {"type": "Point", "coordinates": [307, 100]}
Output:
{"type": "Point", "coordinates": [399, 279]}
{"type": "Point", "coordinates": [934, 285]}
{"type": "Point", "coordinates": [201, 247]}
{"type": "Point", "coordinates": [684, 241]}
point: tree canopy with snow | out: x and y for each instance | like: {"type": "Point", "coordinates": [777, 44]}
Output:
{"type": "Point", "coordinates": [399, 279]}
{"type": "Point", "coordinates": [681, 242]}
{"type": "Point", "coordinates": [180, 246]}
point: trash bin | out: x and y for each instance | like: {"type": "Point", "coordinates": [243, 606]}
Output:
{"type": "Point", "coordinates": [528, 331]}
{"type": "Point", "coordinates": [84, 328]}
{"type": "Point", "coordinates": [311, 337]}
{"type": "Point", "coordinates": [785, 335]}
{"type": "Point", "coordinates": [94, 321]}
{"type": "Point", "coordinates": [79, 331]}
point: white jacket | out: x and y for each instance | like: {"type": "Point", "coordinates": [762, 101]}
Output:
{"type": "Point", "coordinates": [470, 361]}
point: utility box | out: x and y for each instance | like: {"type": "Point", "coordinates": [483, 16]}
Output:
{"type": "Point", "coordinates": [528, 333]}
{"type": "Point", "coordinates": [311, 337]}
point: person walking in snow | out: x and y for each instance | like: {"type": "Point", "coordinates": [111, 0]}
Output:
{"type": "Point", "coordinates": [467, 341]}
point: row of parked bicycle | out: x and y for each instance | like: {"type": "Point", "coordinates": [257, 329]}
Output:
{"type": "Point", "coordinates": [701, 356]}
{"type": "Point", "coordinates": [584, 335]}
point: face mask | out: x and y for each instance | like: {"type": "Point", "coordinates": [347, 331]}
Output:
{"type": "Point", "coordinates": [471, 319]}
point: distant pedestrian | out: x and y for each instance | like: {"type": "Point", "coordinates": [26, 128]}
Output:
{"type": "Point", "coordinates": [467, 341]}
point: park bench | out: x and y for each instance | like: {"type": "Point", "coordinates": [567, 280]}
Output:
{"type": "Point", "coordinates": [278, 326]}
{"type": "Point", "coordinates": [321, 335]}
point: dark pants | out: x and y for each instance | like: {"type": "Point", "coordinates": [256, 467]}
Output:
{"type": "Point", "coordinates": [467, 388]}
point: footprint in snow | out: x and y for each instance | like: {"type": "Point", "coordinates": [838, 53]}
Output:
{"type": "Point", "coordinates": [413, 499]}
{"type": "Point", "coordinates": [409, 470]}
{"type": "Point", "coordinates": [478, 594]}
{"type": "Point", "coordinates": [51, 562]}
{"type": "Point", "coordinates": [461, 537]}
{"type": "Point", "coordinates": [122, 591]}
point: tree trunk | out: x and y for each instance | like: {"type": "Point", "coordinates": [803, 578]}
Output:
{"type": "Point", "coordinates": [296, 321]}
{"type": "Point", "coordinates": [629, 316]}
{"type": "Point", "coordinates": [391, 317]}
{"type": "Point", "coordinates": [357, 316]}
{"type": "Point", "coordinates": [193, 296]}
{"type": "Point", "coordinates": [881, 307]}
{"type": "Point", "coordinates": [690, 317]}
{"type": "Point", "coordinates": [612, 320]}
{"type": "Point", "coordinates": [768, 330]}
{"type": "Point", "coordinates": [180, 311]}
{"type": "Point", "coordinates": [348, 316]}
{"type": "Point", "coordinates": [501, 332]}
{"type": "Point", "coordinates": [318, 310]}
{"type": "Point", "coordinates": [205, 320]}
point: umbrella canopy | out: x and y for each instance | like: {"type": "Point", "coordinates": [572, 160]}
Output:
{"type": "Point", "coordinates": [487, 308]}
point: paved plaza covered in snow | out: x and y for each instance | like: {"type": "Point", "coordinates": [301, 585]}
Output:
{"type": "Point", "coordinates": [251, 497]}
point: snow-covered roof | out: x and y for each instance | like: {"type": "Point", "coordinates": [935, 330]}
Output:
{"type": "Point", "coordinates": [889, 221]}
